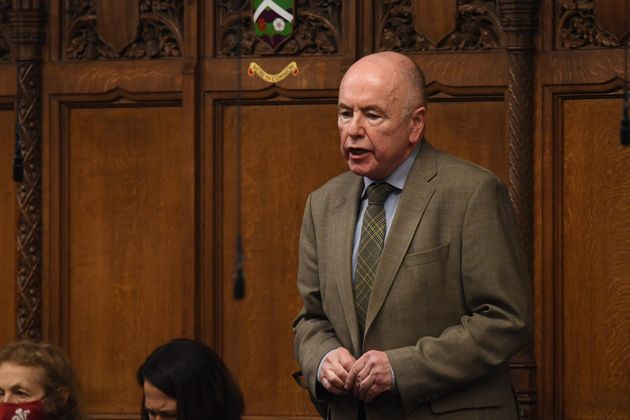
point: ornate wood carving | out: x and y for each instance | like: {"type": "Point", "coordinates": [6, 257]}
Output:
{"type": "Point", "coordinates": [28, 22]}
{"type": "Point", "coordinates": [578, 27]}
{"type": "Point", "coordinates": [160, 33]}
{"type": "Point", "coordinates": [520, 136]}
{"type": "Point", "coordinates": [519, 19]}
{"type": "Point", "coordinates": [5, 31]}
{"type": "Point", "coordinates": [478, 28]}
{"type": "Point", "coordinates": [317, 29]}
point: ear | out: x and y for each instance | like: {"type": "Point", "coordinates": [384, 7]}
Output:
{"type": "Point", "coordinates": [64, 393]}
{"type": "Point", "coordinates": [417, 119]}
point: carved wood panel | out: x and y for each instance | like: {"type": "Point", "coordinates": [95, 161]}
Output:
{"type": "Point", "coordinates": [160, 31]}
{"type": "Point", "coordinates": [592, 23]}
{"type": "Point", "coordinates": [28, 23]}
{"type": "Point", "coordinates": [478, 27]}
{"type": "Point", "coordinates": [317, 30]}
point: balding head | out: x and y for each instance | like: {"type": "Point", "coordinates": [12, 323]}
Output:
{"type": "Point", "coordinates": [403, 73]}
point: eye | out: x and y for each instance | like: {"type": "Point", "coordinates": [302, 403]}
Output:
{"type": "Point", "coordinates": [345, 114]}
{"type": "Point", "coordinates": [20, 393]}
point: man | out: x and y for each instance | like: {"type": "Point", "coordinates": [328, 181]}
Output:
{"type": "Point", "coordinates": [422, 325]}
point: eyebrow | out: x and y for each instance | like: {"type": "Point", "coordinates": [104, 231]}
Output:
{"type": "Point", "coordinates": [18, 387]}
{"type": "Point", "coordinates": [364, 109]}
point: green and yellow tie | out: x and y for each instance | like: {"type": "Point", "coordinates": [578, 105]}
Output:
{"type": "Point", "coordinates": [370, 247]}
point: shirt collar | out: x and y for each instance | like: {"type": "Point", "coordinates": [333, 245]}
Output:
{"type": "Point", "coordinates": [398, 177]}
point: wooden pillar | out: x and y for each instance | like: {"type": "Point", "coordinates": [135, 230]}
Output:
{"type": "Point", "coordinates": [519, 20]}
{"type": "Point", "coordinates": [28, 27]}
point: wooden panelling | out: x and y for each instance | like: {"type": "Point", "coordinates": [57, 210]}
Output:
{"type": "Point", "coordinates": [471, 130]}
{"type": "Point", "coordinates": [410, 26]}
{"type": "Point", "coordinates": [588, 24]}
{"type": "Point", "coordinates": [140, 136]}
{"type": "Point", "coordinates": [128, 232]}
{"type": "Point", "coordinates": [594, 282]}
{"type": "Point", "coordinates": [316, 30]}
{"type": "Point", "coordinates": [113, 30]}
{"type": "Point", "coordinates": [573, 85]}
{"type": "Point", "coordinates": [286, 150]}
{"type": "Point", "coordinates": [7, 224]}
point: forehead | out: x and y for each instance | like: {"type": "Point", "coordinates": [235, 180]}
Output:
{"type": "Point", "coordinates": [365, 86]}
{"type": "Point", "coordinates": [155, 399]}
{"type": "Point", "coordinates": [12, 374]}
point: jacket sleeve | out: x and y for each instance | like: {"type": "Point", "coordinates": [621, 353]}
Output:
{"type": "Point", "coordinates": [314, 334]}
{"type": "Point", "coordinates": [497, 294]}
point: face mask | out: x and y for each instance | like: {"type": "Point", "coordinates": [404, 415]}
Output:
{"type": "Point", "coordinates": [22, 411]}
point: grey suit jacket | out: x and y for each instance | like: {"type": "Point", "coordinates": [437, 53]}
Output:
{"type": "Point", "coordinates": [451, 301]}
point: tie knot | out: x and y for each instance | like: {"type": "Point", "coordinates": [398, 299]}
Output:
{"type": "Point", "coordinates": [378, 193]}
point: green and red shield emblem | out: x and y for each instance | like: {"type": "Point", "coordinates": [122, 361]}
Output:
{"type": "Point", "coordinates": [273, 20]}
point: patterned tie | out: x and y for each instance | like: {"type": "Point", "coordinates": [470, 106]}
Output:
{"type": "Point", "coordinates": [370, 247]}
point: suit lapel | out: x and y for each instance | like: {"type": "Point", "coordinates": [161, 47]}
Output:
{"type": "Point", "coordinates": [344, 222]}
{"type": "Point", "coordinates": [415, 197]}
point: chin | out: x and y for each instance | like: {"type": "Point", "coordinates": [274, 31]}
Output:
{"type": "Point", "coordinates": [363, 172]}
{"type": "Point", "coordinates": [357, 169]}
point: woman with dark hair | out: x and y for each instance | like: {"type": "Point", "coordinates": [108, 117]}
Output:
{"type": "Point", "coordinates": [186, 380]}
{"type": "Point", "coordinates": [37, 382]}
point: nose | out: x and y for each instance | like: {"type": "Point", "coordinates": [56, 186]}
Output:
{"type": "Point", "coordinates": [355, 126]}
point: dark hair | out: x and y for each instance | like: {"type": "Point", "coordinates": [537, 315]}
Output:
{"type": "Point", "coordinates": [59, 378]}
{"type": "Point", "coordinates": [196, 377]}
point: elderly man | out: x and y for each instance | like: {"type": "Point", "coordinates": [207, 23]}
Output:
{"type": "Point", "coordinates": [414, 285]}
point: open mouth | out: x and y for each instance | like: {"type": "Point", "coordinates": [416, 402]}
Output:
{"type": "Point", "coordinates": [357, 152]}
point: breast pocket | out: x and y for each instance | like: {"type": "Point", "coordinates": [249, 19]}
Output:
{"type": "Point", "coordinates": [427, 256]}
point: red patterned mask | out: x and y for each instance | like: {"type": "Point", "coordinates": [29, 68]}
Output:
{"type": "Point", "coordinates": [22, 411]}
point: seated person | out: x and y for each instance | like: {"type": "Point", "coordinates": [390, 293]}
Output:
{"type": "Point", "coordinates": [186, 380]}
{"type": "Point", "coordinates": [37, 382]}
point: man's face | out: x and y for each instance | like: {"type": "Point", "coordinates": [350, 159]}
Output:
{"type": "Point", "coordinates": [377, 130]}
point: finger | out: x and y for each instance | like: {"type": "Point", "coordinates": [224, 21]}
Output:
{"type": "Point", "coordinates": [365, 372]}
{"type": "Point", "coordinates": [347, 361]}
{"type": "Point", "coordinates": [333, 378]}
{"type": "Point", "coordinates": [351, 379]}
{"type": "Point", "coordinates": [331, 388]}
{"type": "Point", "coordinates": [365, 386]}
{"type": "Point", "coordinates": [340, 372]}
{"type": "Point", "coordinates": [342, 358]}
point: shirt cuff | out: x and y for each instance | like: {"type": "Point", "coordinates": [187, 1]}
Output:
{"type": "Point", "coordinates": [394, 384]}
{"type": "Point", "coordinates": [319, 368]}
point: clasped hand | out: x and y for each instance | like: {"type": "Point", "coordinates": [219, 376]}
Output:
{"type": "Point", "coordinates": [366, 377]}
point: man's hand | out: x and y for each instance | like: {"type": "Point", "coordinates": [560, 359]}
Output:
{"type": "Point", "coordinates": [334, 371]}
{"type": "Point", "coordinates": [370, 376]}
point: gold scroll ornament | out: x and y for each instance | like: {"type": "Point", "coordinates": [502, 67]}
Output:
{"type": "Point", "coordinates": [292, 68]}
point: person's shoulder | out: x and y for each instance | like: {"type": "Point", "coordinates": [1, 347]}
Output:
{"type": "Point", "coordinates": [451, 166]}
